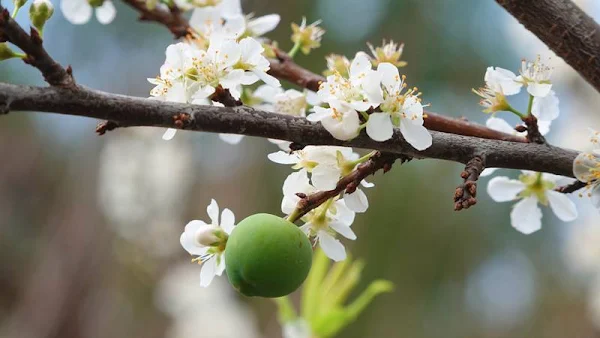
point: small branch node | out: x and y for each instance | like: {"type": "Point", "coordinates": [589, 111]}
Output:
{"type": "Point", "coordinates": [105, 126]}
{"type": "Point", "coordinates": [533, 131]}
{"type": "Point", "coordinates": [466, 193]}
{"type": "Point", "coordinates": [571, 188]}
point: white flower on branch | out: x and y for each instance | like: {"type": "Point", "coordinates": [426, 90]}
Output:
{"type": "Point", "coordinates": [532, 188]}
{"type": "Point", "coordinates": [398, 109]}
{"type": "Point", "coordinates": [340, 120]}
{"type": "Point", "coordinates": [545, 108]}
{"type": "Point", "coordinates": [79, 12]}
{"type": "Point", "coordinates": [502, 80]}
{"type": "Point", "coordinates": [536, 76]}
{"type": "Point", "coordinates": [323, 223]}
{"type": "Point", "coordinates": [327, 165]}
{"type": "Point", "coordinates": [586, 168]}
{"type": "Point", "coordinates": [208, 241]}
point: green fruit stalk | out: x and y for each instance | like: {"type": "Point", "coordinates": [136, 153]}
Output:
{"type": "Point", "coordinates": [267, 256]}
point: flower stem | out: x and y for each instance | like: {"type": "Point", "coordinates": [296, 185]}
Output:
{"type": "Point", "coordinates": [363, 159]}
{"type": "Point", "coordinates": [294, 49]}
{"type": "Point", "coordinates": [530, 105]}
{"type": "Point", "coordinates": [15, 12]}
{"type": "Point", "coordinates": [514, 111]}
{"type": "Point", "coordinates": [364, 115]}
{"type": "Point", "coordinates": [294, 216]}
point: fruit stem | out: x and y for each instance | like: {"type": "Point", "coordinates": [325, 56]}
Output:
{"type": "Point", "coordinates": [294, 216]}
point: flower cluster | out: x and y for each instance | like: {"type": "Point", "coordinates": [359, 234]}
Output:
{"type": "Point", "coordinates": [535, 76]}
{"type": "Point", "coordinates": [586, 168]}
{"type": "Point", "coordinates": [326, 165]}
{"type": "Point", "coordinates": [375, 99]}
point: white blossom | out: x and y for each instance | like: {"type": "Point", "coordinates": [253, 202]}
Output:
{"type": "Point", "coordinates": [545, 108]}
{"type": "Point", "coordinates": [398, 109]}
{"type": "Point", "coordinates": [327, 165]}
{"type": "Point", "coordinates": [531, 188]}
{"type": "Point", "coordinates": [79, 12]}
{"type": "Point", "coordinates": [586, 168]}
{"type": "Point", "coordinates": [340, 120]}
{"type": "Point", "coordinates": [536, 76]}
{"type": "Point", "coordinates": [502, 80]}
{"type": "Point", "coordinates": [208, 241]}
{"type": "Point", "coordinates": [323, 223]}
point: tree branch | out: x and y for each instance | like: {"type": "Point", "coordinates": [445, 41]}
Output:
{"type": "Point", "coordinates": [37, 56]}
{"type": "Point", "coordinates": [465, 195]}
{"type": "Point", "coordinates": [348, 183]}
{"type": "Point", "coordinates": [172, 19]}
{"type": "Point", "coordinates": [571, 188]}
{"type": "Point", "coordinates": [129, 111]}
{"type": "Point", "coordinates": [564, 28]}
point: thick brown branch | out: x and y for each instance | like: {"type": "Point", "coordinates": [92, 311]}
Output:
{"type": "Point", "coordinates": [53, 72]}
{"type": "Point", "coordinates": [285, 68]}
{"type": "Point", "coordinates": [465, 195]}
{"type": "Point", "coordinates": [172, 19]}
{"type": "Point", "coordinates": [133, 111]}
{"type": "Point", "coordinates": [348, 183]}
{"type": "Point", "coordinates": [566, 29]}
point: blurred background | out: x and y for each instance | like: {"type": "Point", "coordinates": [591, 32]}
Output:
{"type": "Point", "coordinates": [89, 226]}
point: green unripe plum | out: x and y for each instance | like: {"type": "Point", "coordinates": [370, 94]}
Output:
{"type": "Point", "coordinates": [267, 256]}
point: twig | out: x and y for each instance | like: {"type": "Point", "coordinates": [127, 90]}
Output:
{"type": "Point", "coordinates": [348, 183]}
{"type": "Point", "coordinates": [533, 131]}
{"type": "Point", "coordinates": [571, 188]}
{"type": "Point", "coordinates": [134, 111]}
{"type": "Point", "coordinates": [465, 195]}
{"type": "Point", "coordinates": [171, 19]}
{"type": "Point", "coordinates": [566, 29]}
{"type": "Point", "coordinates": [37, 56]}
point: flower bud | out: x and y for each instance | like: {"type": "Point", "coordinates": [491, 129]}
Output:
{"type": "Point", "coordinates": [96, 3]}
{"type": "Point", "coordinates": [307, 36]}
{"type": "Point", "coordinates": [210, 235]}
{"type": "Point", "coordinates": [18, 4]}
{"type": "Point", "coordinates": [6, 53]}
{"type": "Point", "coordinates": [39, 12]}
{"type": "Point", "coordinates": [388, 52]}
{"type": "Point", "coordinates": [337, 64]}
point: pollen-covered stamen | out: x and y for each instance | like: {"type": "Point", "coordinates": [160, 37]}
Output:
{"type": "Point", "coordinates": [535, 71]}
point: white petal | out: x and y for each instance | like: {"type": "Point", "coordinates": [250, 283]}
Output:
{"type": "Point", "coordinates": [417, 135]}
{"type": "Point", "coordinates": [503, 189]}
{"type": "Point", "coordinates": [562, 206]}
{"type": "Point", "coordinates": [380, 127]}
{"type": "Point", "coordinates": [188, 239]}
{"type": "Point", "coordinates": [282, 157]}
{"type": "Point", "coordinates": [213, 212]}
{"type": "Point", "coordinates": [539, 89]}
{"type": "Point", "coordinates": [227, 221]}
{"type": "Point", "coordinates": [526, 216]}
{"type": "Point", "coordinates": [208, 271]}
{"type": "Point", "coordinates": [343, 213]}
{"type": "Point", "coordinates": [343, 230]}
{"type": "Point", "coordinates": [169, 134]}
{"type": "Point", "coordinates": [231, 138]}
{"type": "Point", "coordinates": [267, 93]}
{"type": "Point", "coordinates": [545, 108]}
{"type": "Point", "coordinates": [500, 125]}
{"type": "Point", "coordinates": [106, 13]}
{"type": "Point", "coordinates": [366, 184]}
{"type": "Point", "coordinates": [357, 201]}
{"type": "Point", "coordinates": [502, 79]}
{"type": "Point", "coordinates": [488, 172]}
{"type": "Point", "coordinates": [230, 8]}
{"type": "Point", "coordinates": [263, 24]}
{"type": "Point", "coordinates": [220, 259]}
{"type": "Point", "coordinates": [390, 77]}
{"type": "Point", "coordinates": [544, 126]}
{"type": "Point", "coordinates": [371, 86]}
{"type": "Point", "coordinates": [76, 12]}
{"type": "Point", "coordinates": [268, 79]}
{"type": "Point", "coordinates": [319, 114]}
{"type": "Point", "coordinates": [331, 246]}
{"type": "Point", "coordinates": [360, 65]}
{"type": "Point", "coordinates": [325, 177]}
{"type": "Point", "coordinates": [312, 98]}
{"type": "Point", "coordinates": [413, 108]}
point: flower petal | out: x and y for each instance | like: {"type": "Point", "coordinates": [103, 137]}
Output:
{"type": "Point", "coordinates": [545, 108]}
{"type": "Point", "coordinates": [208, 271]}
{"type": "Point", "coordinates": [562, 206]}
{"type": "Point", "coordinates": [333, 248]}
{"type": "Point", "coordinates": [227, 221]}
{"type": "Point", "coordinates": [76, 12]}
{"type": "Point", "coordinates": [231, 138]}
{"type": "Point", "coordinates": [325, 177]}
{"type": "Point", "coordinates": [417, 135]}
{"type": "Point", "coordinates": [263, 24]}
{"type": "Point", "coordinates": [526, 216]}
{"type": "Point", "coordinates": [106, 13]}
{"type": "Point", "coordinates": [380, 127]}
{"type": "Point", "coordinates": [539, 89]}
{"type": "Point", "coordinates": [357, 201]}
{"type": "Point", "coordinates": [282, 157]}
{"type": "Point", "coordinates": [500, 125]}
{"type": "Point", "coordinates": [319, 114]}
{"type": "Point", "coordinates": [213, 212]}
{"type": "Point", "coordinates": [169, 134]}
{"type": "Point", "coordinates": [595, 196]}
{"type": "Point", "coordinates": [343, 230]}
{"type": "Point", "coordinates": [503, 189]}
{"type": "Point", "coordinates": [487, 172]}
